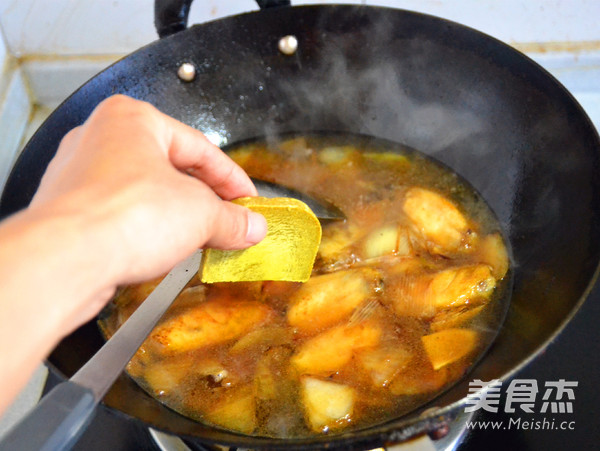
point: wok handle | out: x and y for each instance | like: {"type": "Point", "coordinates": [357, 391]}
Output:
{"type": "Point", "coordinates": [56, 423]}
{"type": "Point", "coordinates": [264, 4]}
{"type": "Point", "coordinates": [171, 16]}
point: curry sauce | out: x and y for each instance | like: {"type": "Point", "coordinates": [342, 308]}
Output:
{"type": "Point", "coordinates": [404, 297]}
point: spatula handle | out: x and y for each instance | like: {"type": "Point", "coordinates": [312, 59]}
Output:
{"type": "Point", "coordinates": [55, 423]}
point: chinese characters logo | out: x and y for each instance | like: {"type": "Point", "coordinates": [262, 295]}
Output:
{"type": "Point", "coordinates": [557, 396]}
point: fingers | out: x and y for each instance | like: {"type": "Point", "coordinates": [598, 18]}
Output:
{"type": "Point", "coordinates": [187, 148]}
{"type": "Point", "coordinates": [235, 227]}
{"type": "Point", "coordinates": [190, 150]}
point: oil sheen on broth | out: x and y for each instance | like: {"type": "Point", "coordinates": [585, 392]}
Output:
{"type": "Point", "coordinates": [405, 295]}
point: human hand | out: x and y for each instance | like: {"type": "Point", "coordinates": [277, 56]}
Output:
{"type": "Point", "coordinates": [129, 194]}
{"type": "Point", "coordinates": [125, 174]}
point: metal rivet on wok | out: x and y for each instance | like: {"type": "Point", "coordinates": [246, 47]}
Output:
{"type": "Point", "coordinates": [186, 72]}
{"type": "Point", "coordinates": [288, 45]}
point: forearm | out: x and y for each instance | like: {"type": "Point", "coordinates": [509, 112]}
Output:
{"type": "Point", "coordinates": [117, 205]}
{"type": "Point", "coordinates": [49, 264]}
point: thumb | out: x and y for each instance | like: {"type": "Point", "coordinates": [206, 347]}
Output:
{"type": "Point", "coordinates": [235, 227]}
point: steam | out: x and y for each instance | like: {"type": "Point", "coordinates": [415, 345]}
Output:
{"type": "Point", "coordinates": [378, 97]}
{"type": "Point", "coordinates": [370, 74]}
{"type": "Point", "coordinates": [374, 81]}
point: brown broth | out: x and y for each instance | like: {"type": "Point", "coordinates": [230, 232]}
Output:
{"type": "Point", "coordinates": [387, 283]}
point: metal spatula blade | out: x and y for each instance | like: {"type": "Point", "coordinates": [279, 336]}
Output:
{"type": "Point", "coordinates": [322, 210]}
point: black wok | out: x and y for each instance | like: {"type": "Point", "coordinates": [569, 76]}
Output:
{"type": "Point", "coordinates": [475, 104]}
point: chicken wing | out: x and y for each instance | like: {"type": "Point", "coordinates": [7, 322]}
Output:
{"type": "Point", "coordinates": [436, 219]}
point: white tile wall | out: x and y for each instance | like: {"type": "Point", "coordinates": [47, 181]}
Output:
{"type": "Point", "coordinates": [3, 51]}
{"type": "Point", "coordinates": [65, 42]}
{"type": "Point", "coordinates": [51, 80]}
{"type": "Point", "coordinates": [92, 27]}
{"type": "Point", "coordinates": [15, 108]}
{"type": "Point", "coordinates": [86, 27]}
{"type": "Point", "coordinates": [516, 20]}
{"type": "Point", "coordinates": [14, 114]}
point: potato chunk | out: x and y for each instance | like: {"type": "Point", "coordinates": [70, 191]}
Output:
{"type": "Point", "coordinates": [265, 383]}
{"type": "Point", "coordinates": [264, 337]}
{"type": "Point", "coordinates": [270, 375]}
{"type": "Point", "coordinates": [326, 403]}
{"type": "Point", "coordinates": [421, 378]}
{"type": "Point", "coordinates": [336, 249]}
{"type": "Point", "coordinates": [337, 155]}
{"type": "Point", "coordinates": [235, 412]}
{"type": "Point", "coordinates": [390, 239]}
{"type": "Point", "coordinates": [328, 352]}
{"type": "Point", "coordinates": [209, 323]}
{"type": "Point", "coordinates": [166, 377]}
{"type": "Point", "coordinates": [449, 345]}
{"type": "Point", "coordinates": [436, 218]}
{"type": "Point", "coordinates": [327, 299]}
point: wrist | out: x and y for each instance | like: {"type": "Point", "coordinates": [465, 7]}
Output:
{"type": "Point", "coordinates": [47, 289]}
{"type": "Point", "coordinates": [59, 265]}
